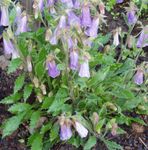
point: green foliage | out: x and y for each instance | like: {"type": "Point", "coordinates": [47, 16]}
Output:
{"type": "Point", "coordinates": [90, 143]}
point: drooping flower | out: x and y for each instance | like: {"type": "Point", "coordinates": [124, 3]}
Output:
{"type": "Point", "coordinates": [131, 13]}
{"type": "Point", "coordinates": [139, 77]}
{"type": "Point", "coordinates": [52, 67]}
{"type": "Point", "coordinates": [38, 6]}
{"type": "Point", "coordinates": [102, 8]}
{"type": "Point", "coordinates": [114, 129]}
{"type": "Point", "coordinates": [76, 4]}
{"type": "Point", "coordinates": [22, 24]}
{"type": "Point", "coordinates": [143, 38]}
{"type": "Point", "coordinates": [29, 64]}
{"type": "Point", "coordinates": [86, 17]}
{"type": "Point", "coordinates": [54, 37]}
{"type": "Point", "coordinates": [119, 1]}
{"type": "Point", "coordinates": [65, 129]}
{"type": "Point", "coordinates": [50, 3]}
{"type": "Point", "coordinates": [18, 13]}
{"type": "Point", "coordinates": [62, 22]}
{"type": "Point", "coordinates": [82, 131]}
{"type": "Point", "coordinates": [68, 3]}
{"type": "Point", "coordinates": [93, 30]}
{"type": "Point", "coordinates": [116, 33]}
{"type": "Point", "coordinates": [4, 19]}
{"type": "Point", "coordinates": [9, 48]}
{"type": "Point", "coordinates": [41, 5]}
{"type": "Point", "coordinates": [74, 59]}
{"type": "Point", "coordinates": [73, 20]}
{"type": "Point", "coordinates": [84, 67]}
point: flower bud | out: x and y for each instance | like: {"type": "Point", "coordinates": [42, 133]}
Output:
{"type": "Point", "coordinates": [29, 64]}
{"type": "Point", "coordinates": [139, 77]}
{"type": "Point", "coordinates": [116, 33]}
{"type": "Point", "coordinates": [36, 82]}
{"type": "Point", "coordinates": [95, 118]}
{"type": "Point", "coordinates": [102, 8]}
{"type": "Point", "coordinates": [43, 88]}
{"type": "Point", "coordinates": [48, 35]}
{"type": "Point", "coordinates": [40, 98]}
{"type": "Point", "coordinates": [4, 19]}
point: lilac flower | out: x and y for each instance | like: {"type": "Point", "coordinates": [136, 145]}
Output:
{"type": "Point", "coordinates": [70, 43]}
{"type": "Point", "coordinates": [50, 3]}
{"type": "Point", "coordinates": [4, 19]}
{"type": "Point", "coordinates": [143, 38]}
{"type": "Point", "coordinates": [41, 5]}
{"type": "Point", "coordinates": [119, 1]}
{"type": "Point", "coordinates": [22, 26]}
{"type": "Point", "coordinates": [9, 48]}
{"type": "Point", "coordinates": [18, 14]}
{"type": "Point", "coordinates": [74, 60]}
{"type": "Point", "coordinates": [76, 4]}
{"type": "Point", "coordinates": [93, 30]}
{"type": "Point", "coordinates": [69, 3]}
{"type": "Point", "coordinates": [139, 76]}
{"type": "Point", "coordinates": [54, 38]}
{"type": "Point", "coordinates": [52, 69]}
{"type": "Point", "coordinates": [73, 19]}
{"type": "Point", "coordinates": [65, 132]}
{"type": "Point", "coordinates": [62, 22]}
{"type": "Point", "coordinates": [82, 131]}
{"type": "Point", "coordinates": [84, 68]}
{"type": "Point", "coordinates": [131, 17]}
{"type": "Point", "coordinates": [86, 17]}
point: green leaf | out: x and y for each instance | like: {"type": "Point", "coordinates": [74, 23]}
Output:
{"type": "Point", "coordinates": [90, 143]}
{"type": "Point", "coordinates": [112, 145]}
{"type": "Point", "coordinates": [100, 125]}
{"type": "Point", "coordinates": [11, 99]}
{"type": "Point", "coordinates": [39, 69]}
{"type": "Point", "coordinates": [34, 119]}
{"type": "Point", "coordinates": [45, 128]}
{"type": "Point", "coordinates": [19, 83]}
{"type": "Point", "coordinates": [14, 65]}
{"type": "Point", "coordinates": [54, 134]}
{"type": "Point", "coordinates": [19, 107]}
{"type": "Point", "coordinates": [27, 91]}
{"type": "Point", "coordinates": [37, 143]}
{"type": "Point", "coordinates": [47, 102]}
{"type": "Point", "coordinates": [12, 124]}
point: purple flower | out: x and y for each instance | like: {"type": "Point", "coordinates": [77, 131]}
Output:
{"type": "Point", "coordinates": [50, 3]}
{"type": "Point", "coordinates": [9, 48]}
{"type": "Point", "coordinates": [73, 19]}
{"type": "Point", "coordinates": [54, 38]}
{"type": "Point", "coordinates": [4, 19]}
{"type": "Point", "coordinates": [119, 1]}
{"type": "Point", "coordinates": [52, 69]}
{"type": "Point", "coordinates": [74, 60]}
{"type": "Point", "coordinates": [139, 76]}
{"type": "Point", "coordinates": [62, 22]}
{"type": "Point", "coordinates": [131, 17]}
{"type": "Point", "coordinates": [143, 38]}
{"type": "Point", "coordinates": [41, 5]}
{"type": "Point", "coordinates": [65, 132]}
{"type": "Point", "coordinates": [76, 4]}
{"type": "Point", "coordinates": [84, 68]}
{"type": "Point", "coordinates": [69, 3]}
{"type": "Point", "coordinates": [86, 17]}
{"type": "Point", "coordinates": [93, 30]}
{"type": "Point", "coordinates": [18, 14]}
{"type": "Point", "coordinates": [22, 25]}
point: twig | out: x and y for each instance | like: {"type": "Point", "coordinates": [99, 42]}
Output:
{"type": "Point", "coordinates": [143, 143]}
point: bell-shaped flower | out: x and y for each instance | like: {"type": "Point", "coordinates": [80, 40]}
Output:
{"type": "Point", "coordinates": [50, 3]}
{"type": "Point", "coordinates": [84, 68]}
{"type": "Point", "coordinates": [41, 5]}
{"type": "Point", "coordinates": [4, 19]}
{"type": "Point", "coordinates": [73, 20]}
{"type": "Point", "coordinates": [86, 16]}
{"type": "Point", "coordinates": [69, 3]}
{"type": "Point", "coordinates": [116, 33]}
{"type": "Point", "coordinates": [143, 38]}
{"type": "Point", "coordinates": [29, 64]}
{"type": "Point", "coordinates": [74, 59]}
{"type": "Point", "coordinates": [139, 77]}
{"type": "Point", "coordinates": [82, 131]}
{"type": "Point", "coordinates": [18, 14]}
{"type": "Point", "coordinates": [62, 22]}
{"type": "Point", "coordinates": [52, 67]}
{"type": "Point", "coordinates": [54, 37]}
{"type": "Point", "coordinates": [9, 48]}
{"type": "Point", "coordinates": [102, 8]}
{"type": "Point", "coordinates": [119, 1]}
{"type": "Point", "coordinates": [65, 129]}
{"type": "Point", "coordinates": [76, 4]}
{"type": "Point", "coordinates": [22, 26]}
{"type": "Point", "coordinates": [93, 30]}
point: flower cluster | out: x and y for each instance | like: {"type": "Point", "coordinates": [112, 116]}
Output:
{"type": "Point", "coordinates": [66, 128]}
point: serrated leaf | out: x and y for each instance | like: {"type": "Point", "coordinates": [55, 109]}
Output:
{"type": "Point", "coordinates": [19, 83]}
{"type": "Point", "coordinates": [90, 143]}
{"type": "Point", "coordinates": [37, 142]}
{"type": "Point", "coordinates": [19, 107]}
{"type": "Point", "coordinates": [54, 133]}
{"type": "Point", "coordinates": [27, 91]}
{"type": "Point", "coordinates": [34, 119]}
{"type": "Point", "coordinates": [112, 145]}
{"type": "Point", "coordinates": [11, 99]}
{"type": "Point", "coordinates": [45, 128]}
{"type": "Point", "coordinates": [12, 124]}
{"type": "Point", "coordinates": [14, 65]}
